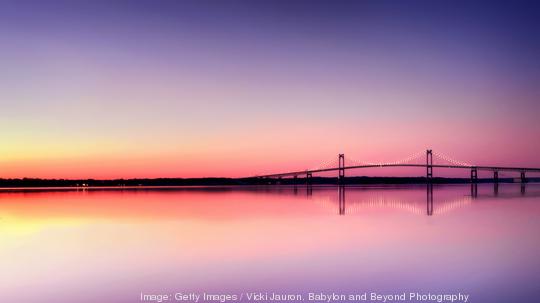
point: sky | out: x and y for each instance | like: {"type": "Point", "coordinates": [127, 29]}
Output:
{"type": "Point", "coordinates": [125, 89]}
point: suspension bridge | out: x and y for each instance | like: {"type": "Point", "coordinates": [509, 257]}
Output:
{"type": "Point", "coordinates": [423, 159]}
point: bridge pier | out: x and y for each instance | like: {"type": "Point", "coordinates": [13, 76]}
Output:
{"type": "Point", "coordinates": [523, 179]}
{"type": "Point", "coordinates": [429, 165]}
{"type": "Point", "coordinates": [309, 177]}
{"type": "Point", "coordinates": [474, 175]}
{"type": "Point", "coordinates": [341, 161]}
{"type": "Point", "coordinates": [496, 176]}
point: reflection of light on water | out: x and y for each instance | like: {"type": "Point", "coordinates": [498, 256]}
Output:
{"type": "Point", "coordinates": [447, 206]}
{"type": "Point", "coordinates": [357, 206]}
{"type": "Point", "coordinates": [352, 207]}
{"type": "Point", "coordinates": [382, 202]}
{"type": "Point", "coordinates": [13, 225]}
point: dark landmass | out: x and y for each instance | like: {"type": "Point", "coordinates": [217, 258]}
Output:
{"type": "Point", "coordinates": [30, 182]}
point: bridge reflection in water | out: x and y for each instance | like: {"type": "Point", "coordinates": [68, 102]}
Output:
{"type": "Point", "coordinates": [353, 204]}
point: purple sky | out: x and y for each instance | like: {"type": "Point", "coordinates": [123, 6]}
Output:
{"type": "Point", "coordinates": [233, 88]}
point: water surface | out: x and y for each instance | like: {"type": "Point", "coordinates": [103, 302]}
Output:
{"type": "Point", "coordinates": [111, 245]}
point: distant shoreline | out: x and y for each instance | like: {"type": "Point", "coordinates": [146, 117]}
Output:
{"type": "Point", "coordinates": [164, 182]}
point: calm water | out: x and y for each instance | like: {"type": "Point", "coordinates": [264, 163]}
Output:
{"type": "Point", "coordinates": [111, 245]}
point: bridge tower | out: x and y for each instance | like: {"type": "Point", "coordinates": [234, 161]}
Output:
{"type": "Point", "coordinates": [429, 165]}
{"type": "Point", "coordinates": [341, 161]}
{"type": "Point", "coordinates": [474, 175]}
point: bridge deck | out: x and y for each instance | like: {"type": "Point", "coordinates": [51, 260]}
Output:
{"type": "Point", "coordinates": [489, 168]}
